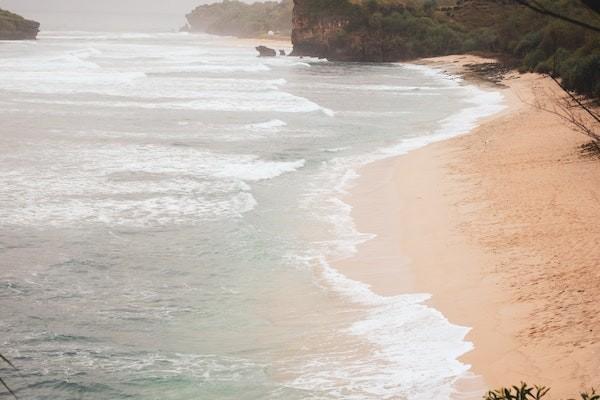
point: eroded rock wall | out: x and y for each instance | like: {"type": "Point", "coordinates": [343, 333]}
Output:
{"type": "Point", "coordinates": [15, 27]}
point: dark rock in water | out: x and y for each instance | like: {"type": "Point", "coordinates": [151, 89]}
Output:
{"type": "Point", "coordinates": [264, 51]}
{"type": "Point", "coordinates": [282, 53]}
{"type": "Point", "coordinates": [15, 27]}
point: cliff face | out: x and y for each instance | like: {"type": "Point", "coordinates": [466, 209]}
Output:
{"type": "Point", "coordinates": [315, 36]}
{"type": "Point", "coordinates": [15, 27]}
{"type": "Point", "coordinates": [386, 30]}
{"type": "Point", "coordinates": [338, 37]}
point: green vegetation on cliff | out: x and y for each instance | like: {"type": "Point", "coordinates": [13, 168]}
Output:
{"type": "Point", "coordinates": [235, 18]}
{"type": "Point", "coordinates": [391, 30]}
{"type": "Point", "coordinates": [15, 27]}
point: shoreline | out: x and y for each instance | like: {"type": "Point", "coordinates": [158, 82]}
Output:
{"type": "Point", "coordinates": [278, 41]}
{"type": "Point", "coordinates": [486, 223]}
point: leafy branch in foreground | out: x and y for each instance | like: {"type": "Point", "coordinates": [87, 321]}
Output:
{"type": "Point", "coordinates": [572, 110]}
{"type": "Point", "coordinates": [2, 382]}
{"type": "Point", "coordinates": [526, 392]}
{"type": "Point", "coordinates": [537, 7]}
{"type": "Point", "coordinates": [523, 392]}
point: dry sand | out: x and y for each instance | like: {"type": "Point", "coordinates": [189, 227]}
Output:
{"type": "Point", "coordinates": [274, 42]}
{"type": "Point", "coordinates": [502, 226]}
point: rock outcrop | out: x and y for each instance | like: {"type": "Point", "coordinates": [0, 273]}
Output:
{"type": "Point", "coordinates": [314, 35]}
{"type": "Point", "coordinates": [15, 27]}
{"type": "Point", "coordinates": [334, 35]}
{"type": "Point", "coordinates": [381, 31]}
{"type": "Point", "coordinates": [264, 51]}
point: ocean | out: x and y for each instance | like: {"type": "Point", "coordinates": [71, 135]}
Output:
{"type": "Point", "coordinates": [169, 208]}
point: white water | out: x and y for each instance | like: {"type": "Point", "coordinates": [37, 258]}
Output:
{"type": "Point", "coordinates": [174, 200]}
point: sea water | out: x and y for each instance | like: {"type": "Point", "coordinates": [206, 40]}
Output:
{"type": "Point", "coordinates": [169, 205]}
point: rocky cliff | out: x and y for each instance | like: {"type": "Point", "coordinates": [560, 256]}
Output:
{"type": "Point", "coordinates": [341, 31]}
{"type": "Point", "coordinates": [15, 27]}
{"type": "Point", "coordinates": [401, 30]}
{"type": "Point", "coordinates": [356, 30]}
{"type": "Point", "coordinates": [315, 35]}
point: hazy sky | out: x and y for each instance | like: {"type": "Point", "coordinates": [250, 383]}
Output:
{"type": "Point", "coordinates": [99, 15]}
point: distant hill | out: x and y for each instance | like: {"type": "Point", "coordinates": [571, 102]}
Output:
{"type": "Point", "coordinates": [235, 18]}
{"type": "Point", "coordinates": [15, 27]}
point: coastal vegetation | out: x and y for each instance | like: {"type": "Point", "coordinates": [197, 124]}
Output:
{"type": "Point", "coordinates": [526, 392]}
{"type": "Point", "coordinates": [236, 18]}
{"type": "Point", "coordinates": [396, 30]}
{"type": "Point", "coordinates": [15, 27]}
{"type": "Point", "coordinates": [393, 30]}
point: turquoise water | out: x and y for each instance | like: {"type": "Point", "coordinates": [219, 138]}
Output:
{"type": "Point", "coordinates": [168, 204]}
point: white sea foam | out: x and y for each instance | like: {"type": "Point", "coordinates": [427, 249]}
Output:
{"type": "Point", "coordinates": [133, 185]}
{"type": "Point", "coordinates": [76, 354]}
{"type": "Point", "coordinates": [302, 64]}
{"type": "Point", "coordinates": [272, 125]}
{"type": "Point", "coordinates": [273, 101]}
{"type": "Point", "coordinates": [259, 170]}
{"type": "Point", "coordinates": [214, 68]}
{"type": "Point", "coordinates": [336, 149]}
{"type": "Point", "coordinates": [400, 89]}
{"type": "Point", "coordinates": [327, 111]}
{"type": "Point", "coordinates": [254, 131]}
{"type": "Point", "coordinates": [134, 85]}
{"type": "Point", "coordinates": [432, 72]}
{"type": "Point", "coordinates": [399, 349]}
{"type": "Point", "coordinates": [70, 61]}
{"type": "Point", "coordinates": [143, 176]}
{"type": "Point", "coordinates": [415, 349]}
{"type": "Point", "coordinates": [417, 343]}
{"type": "Point", "coordinates": [483, 104]}
{"type": "Point", "coordinates": [86, 53]}
{"type": "Point", "coordinates": [341, 171]}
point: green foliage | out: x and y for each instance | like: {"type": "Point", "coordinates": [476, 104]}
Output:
{"type": "Point", "coordinates": [581, 72]}
{"type": "Point", "coordinates": [547, 45]}
{"type": "Point", "coordinates": [410, 29]}
{"type": "Point", "coordinates": [236, 18]}
{"type": "Point", "coordinates": [590, 396]}
{"type": "Point", "coordinates": [337, 8]}
{"type": "Point", "coordinates": [523, 392]}
{"type": "Point", "coordinates": [533, 59]}
{"type": "Point", "coordinates": [393, 30]}
{"type": "Point", "coordinates": [10, 22]}
{"type": "Point", "coordinates": [529, 43]}
{"type": "Point", "coordinates": [526, 392]}
{"type": "Point", "coordinates": [7, 15]}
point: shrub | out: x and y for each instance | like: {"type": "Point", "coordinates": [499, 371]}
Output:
{"type": "Point", "coordinates": [526, 392]}
{"type": "Point", "coordinates": [529, 42]}
{"type": "Point", "coordinates": [532, 59]}
{"type": "Point", "coordinates": [404, 30]}
{"type": "Point", "coordinates": [579, 72]}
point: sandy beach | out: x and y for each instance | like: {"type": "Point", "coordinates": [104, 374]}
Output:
{"type": "Point", "coordinates": [275, 42]}
{"type": "Point", "coordinates": [500, 226]}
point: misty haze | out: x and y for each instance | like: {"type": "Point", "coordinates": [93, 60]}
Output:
{"type": "Point", "coordinates": [105, 15]}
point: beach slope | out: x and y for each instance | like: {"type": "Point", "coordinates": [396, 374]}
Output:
{"type": "Point", "coordinates": [501, 227]}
